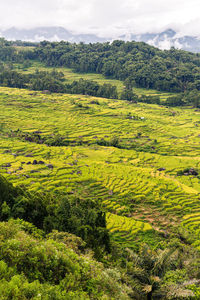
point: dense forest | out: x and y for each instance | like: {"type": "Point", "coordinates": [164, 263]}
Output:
{"type": "Point", "coordinates": [136, 64]}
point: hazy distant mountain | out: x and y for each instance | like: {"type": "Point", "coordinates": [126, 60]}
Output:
{"type": "Point", "coordinates": [48, 33]}
{"type": "Point", "coordinates": [163, 40]}
{"type": "Point", "coordinates": [168, 39]}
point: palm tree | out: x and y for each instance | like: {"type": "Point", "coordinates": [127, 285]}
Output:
{"type": "Point", "coordinates": [148, 269]}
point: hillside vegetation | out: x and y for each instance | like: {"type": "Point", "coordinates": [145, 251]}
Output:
{"type": "Point", "coordinates": [137, 65]}
{"type": "Point", "coordinates": [99, 197]}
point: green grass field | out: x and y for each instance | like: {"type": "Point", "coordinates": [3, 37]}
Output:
{"type": "Point", "coordinates": [71, 76]}
{"type": "Point", "coordinates": [137, 183]}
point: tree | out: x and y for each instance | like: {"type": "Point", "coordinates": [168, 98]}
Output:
{"type": "Point", "coordinates": [127, 94]}
{"type": "Point", "coordinates": [148, 269]}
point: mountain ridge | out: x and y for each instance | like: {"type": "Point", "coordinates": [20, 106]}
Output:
{"type": "Point", "coordinates": [163, 40]}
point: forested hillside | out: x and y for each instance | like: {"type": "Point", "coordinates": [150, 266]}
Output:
{"type": "Point", "coordinates": [136, 64]}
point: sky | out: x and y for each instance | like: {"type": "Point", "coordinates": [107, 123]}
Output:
{"type": "Point", "coordinates": [103, 17]}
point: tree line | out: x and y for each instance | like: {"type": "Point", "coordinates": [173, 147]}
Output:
{"type": "Point", "coordinates": [49, 212]}
{"type": "Point", "coordinates": [135, 63]}
{"type": "Point", "coordinates": [54, 82]}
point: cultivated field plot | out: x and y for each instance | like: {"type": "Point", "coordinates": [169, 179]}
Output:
{"type": "Point", "coordinates": [136, 180]}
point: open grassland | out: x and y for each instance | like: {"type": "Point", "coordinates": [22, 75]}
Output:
{"type": "Point", "coordinates": [71, 76]}
{"type": "Point", "coordinates": [136, 181]}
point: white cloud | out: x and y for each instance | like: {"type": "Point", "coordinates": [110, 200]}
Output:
{"type": "Point", "coordinates": [103, 16]}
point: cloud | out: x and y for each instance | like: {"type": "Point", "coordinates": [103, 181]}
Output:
{"type": "Point", "coordinates": [103, 16]}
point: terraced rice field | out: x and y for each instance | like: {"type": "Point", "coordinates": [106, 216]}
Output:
{"type": "Point", "coordinates": [137, 183]}
{"type": "Point", "coordinates": [123, 229]}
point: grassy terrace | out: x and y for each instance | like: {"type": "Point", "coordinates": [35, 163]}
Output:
{"type": "Point", "coordinates": [137, 183]}
{"type": "Point", "coordinates": [71, 76]}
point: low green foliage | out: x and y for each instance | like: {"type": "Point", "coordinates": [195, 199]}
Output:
{"type": "Point", "coordinates": [50, 211]}
{"type": "Point", "coordinates": [33, 268]}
